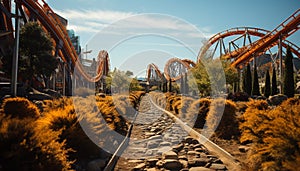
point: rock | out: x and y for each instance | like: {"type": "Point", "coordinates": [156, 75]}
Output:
{"type": "Point", "coordinates": [243, 148]}
{"type": "Point", "coordinates": [199, 169]}
{"type": "Point", "coordinates": [155, 129]}
{"type": "Point", "coordinates": [52, 93]}
{"type": "Point", "coordinates": [140, 167]}
{"type": "Point", "coordinates": [169, 155]}
{"type": "Point", "coordinates": [218, 166]}
{"type": "Point", "coordinates": [184, 163]}
{"type": "Point", "coordinates": [152, 144]}
{"type": "Point", "coordinates": [201, 161]}
{"type": "Point", "coordinates": [172, 164]}
{"type": "Point", "coordinates": [155, 137]}
{"type": "Point", "coordinates": [165, 144]}
{"type": "Point", "coordinates": [277, 99]}
{"type": "Point", "coordinates": [135, 161]}
{"type": "Point", "coordinates": [159, 164]}
{"type": "Point", "coordinates": [152, 169]}
{"type": "Point", "coordinates": [217, 161]}
{"type": "Point", "coordinates": [193, 154]}
{"type": "Point", "coordinates": [178, 147]}
{"type": "Point", "coordinates": [96, 165]}
{"type": "Point", "coordinates": [152, 162]}
{"type": "Point", "coordinates": [162, 150]}
{"type": "Point", "coordinates": [188, 139]}
{"type": "Point", "coordinates": [39, 96]}
{"type": "Point", "coordinates": [200, 150]}
{"type": "Point", "coordinates": [183, 158]}
{"type": "Point", "coordinates": [149, 134]}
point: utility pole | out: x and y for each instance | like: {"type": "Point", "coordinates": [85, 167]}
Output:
{"type": "Point", "coordinates": [14, 78]}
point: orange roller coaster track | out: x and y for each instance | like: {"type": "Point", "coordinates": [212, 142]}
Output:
{"type": "Point", "coordinates": [267, 39]}
{"type": "Point", "coordinates": [153, 73]}
{"type": "Point", "coordinates": [281, 32]}
{"type": "Point", "coordinates": [175, 68]}
{"type": "Point", "coordinates": [53, 25]}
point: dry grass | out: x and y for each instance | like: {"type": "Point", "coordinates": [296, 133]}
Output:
{"type": "Point", "coordinates": [275, 135]}
{"type": "Point", "coordinates": [23, 147]}
{"type": "Point", "coordinates": [20, 107]}
{"type": "Point", "coordinates": [222, 118]}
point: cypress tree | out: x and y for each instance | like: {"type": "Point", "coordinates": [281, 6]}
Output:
{"type": "Point", "coordinates": [289, 84]}
{"type": "Point", "coordinates": [255, 86]}
{"type": "Point", "coordinates": [170, 85]}
{"type": "Point", "coordinates": [274, 82]}
{"type": "Point", "coordinates": [267, 85]}
{"type": "Point", "coordinates": [247, 80]}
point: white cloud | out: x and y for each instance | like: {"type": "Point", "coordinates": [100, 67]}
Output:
{"type": "Point", "coordinates": [93, 15]}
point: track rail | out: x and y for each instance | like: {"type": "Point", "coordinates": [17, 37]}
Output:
{"type": "Point", "coordinates": [226, 157]}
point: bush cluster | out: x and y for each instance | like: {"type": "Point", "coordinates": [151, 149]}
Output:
{"type": "Point", "coordinates": [274, 135]}
{"type": "Point", "coordinates": [23, 146]}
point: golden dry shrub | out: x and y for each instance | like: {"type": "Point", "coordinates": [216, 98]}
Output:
{"type": "Point", "coordinates": [135, 97]}
{"type": "Point", "coordinates": [20, 107]}
{"type": "Point", "coordinates": [67, 121]}
{"type": "Point", "coordinates": [258, 104]}
{"type": "Point", "coordinates": [177, 106]}
{"type": "Point", "coordinates": [254, 116]}
{"type": "Point", "coordinates": [197, 112]}
{"type": "Point", "coordinates": [221, 118]}
{"type": "Point", "coordinates": [171, 100]}
{"type": "Point", "coordinates": [280, 145]}
{"type": "Point", "coordinates": [60, 103]}
{"type": "Point", "coordinates": [185, 105]}
{"type": "Point", "coordinates": [23, 147]}
{"type": "Point", "coordinates": [275, 136]}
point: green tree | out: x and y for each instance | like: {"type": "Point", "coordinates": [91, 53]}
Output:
{"type": "Point", "coordinates": [267, 85]}
{"type": "Point", "coordinates": [135, 85]}
{"type": "Point", "coordinates": [247, 80]}
{"type": "Point", "coordinates": [36, 59]}
{"type": "Point", "coordinates": [121, 81]}
{"type": "Point", "coordinates": [200, 81]}
{"type": "Point", "coordinates": [255, 86]}
{"type": "Point", "coordinates": [274, 82]}
{"type": "Point", "coordinates": [231, 73]}
{"type": "Point", "coordinates": [289, 84]}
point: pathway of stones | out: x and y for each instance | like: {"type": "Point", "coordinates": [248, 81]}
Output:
{"type": "Point", "coordinates": [157, 143]}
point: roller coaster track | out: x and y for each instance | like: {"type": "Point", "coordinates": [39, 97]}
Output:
{"type": "Point", "coordinates": [50, 21]}
{"type": "Point", "coordinates": [239, 55]}
{"type": "Point", "coordinates": [173, 70]}
{"type": "Point", "coordinates": [267, 39]}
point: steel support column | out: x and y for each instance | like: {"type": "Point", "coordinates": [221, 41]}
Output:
{"type": "Point", "coordinates": [14, 78]}
{"type": "Point", "coordinates": [280, 65]}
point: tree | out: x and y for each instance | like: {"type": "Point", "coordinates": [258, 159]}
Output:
{"type": "Point", "coordinates": [255, 86]}
{"type": "Point", "coordinates": [247, 80]}
{"type": "Point", "coordinates": [274, 82]}
{"type": "Point", "coordinates": [36, 59]}
{"type": "Point", "coordinates": [231, 73]}
{"type": "Point", "coordinates": [289, 84]}
{"type": "Point", "coordinates": [267, 85]}
{"type": "Point", "coordinates": [122, 81]}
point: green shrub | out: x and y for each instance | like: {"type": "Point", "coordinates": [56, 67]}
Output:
{"type": "Point", "coordinates": [20, 107]}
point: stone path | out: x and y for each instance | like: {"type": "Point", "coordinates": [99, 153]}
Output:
{"type": "Point", "coordinates": [157, 143]}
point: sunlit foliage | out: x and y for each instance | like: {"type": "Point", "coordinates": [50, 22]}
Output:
{"type": "Point", "coordinates": [275, 135]}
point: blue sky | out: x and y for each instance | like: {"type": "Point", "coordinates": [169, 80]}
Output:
{"type": "Point", "coordinates": [209, 17]}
